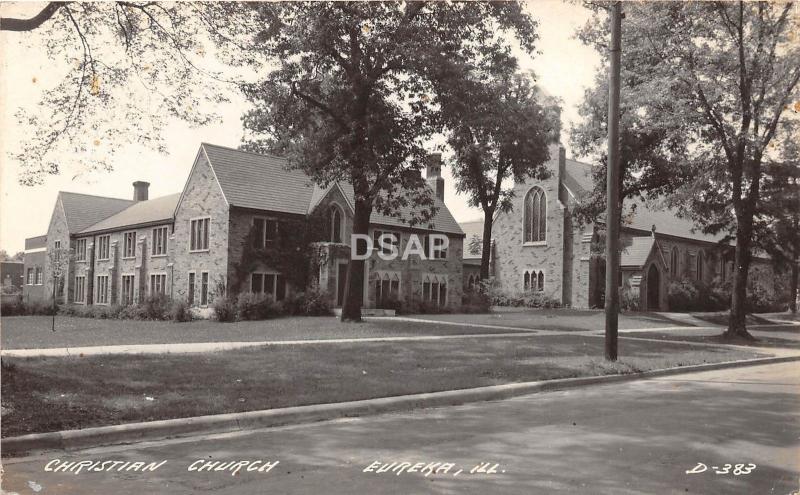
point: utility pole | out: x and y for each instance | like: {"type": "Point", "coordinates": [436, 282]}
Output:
{"type": "Point", "coordinates": [612, 189]}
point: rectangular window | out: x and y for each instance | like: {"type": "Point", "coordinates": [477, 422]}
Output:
{"type": "Point", "coordinates": [435, 292]}
{"type": "Point", "coordinates": [57, 253]}
{"type": "Point", "coordinates": [126, 295]}
{"type": "Point", "coordinates": [392, 238]}
{"type": "Point", "coordinates": [204, 289]}
{"type": "Point", "coordinates": [270, 284]}
{"type": "Point", "coordinates": [158, 284]}
{"type": "Point", "coordinates": [265, 232]}
{"type": "Point", "coordinates": [190, 296]}
{"type": "Point", "coordinates": [80, 250]}
{"type": "Point", "coordinates": [80, 289]}
{"type": "Point", "coordinates": [199, 233]}
{"type": "Point", "coordinates": [129, 245]}
{"type": "Point", "coordinates": [438, 251]}
{"type": "Point", "coordinates": [103, 247]}
{"type": "Point", "coordinates": [160, 241]}
{"type": "Point", "coordinates": [31, 278]}
{"type": "Point", "coordinates": [102, 289]}
{"type": "Point", "coordinates": [39, 275]}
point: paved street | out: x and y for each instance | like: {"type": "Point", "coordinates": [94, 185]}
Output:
{"type": "Point", "coordinates": [638, 437]}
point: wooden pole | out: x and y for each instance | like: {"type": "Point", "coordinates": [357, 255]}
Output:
{"type": "Point", "coordinates": [612, 189]}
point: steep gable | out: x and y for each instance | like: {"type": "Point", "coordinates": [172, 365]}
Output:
{"type": "Point", "coordinates": [83, 210]}
{"type": "Point", "coordinates": [252, 180]}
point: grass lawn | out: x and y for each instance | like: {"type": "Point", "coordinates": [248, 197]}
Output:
{"type": "Point", "coordinates": [563, 319]}
{"type": "Point", "coordinates": [762, 340]}
{"type": "Point", "coordinates": [722, 318]}
{"type": "Point", "coordinates": [34, 332]}
{"type": "Point", "coordinates": [48, 394]}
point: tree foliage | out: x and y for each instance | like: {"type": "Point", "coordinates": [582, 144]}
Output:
{"type": "Point", "coordinates": [352, 96]}
{"type": "Point", "coordinates": [706, 86]}
{"type": "Point", "coordinates": [499, 127]}
{"type": "Point", "coordinates": [128, 68]}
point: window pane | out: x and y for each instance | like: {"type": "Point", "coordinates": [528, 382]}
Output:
{"type": "Point", "coordinates": [257, 283]}
{"type": "Point", "coordinates": [258, 232]}
{"type": "Point", "coordinates": [269, 283]}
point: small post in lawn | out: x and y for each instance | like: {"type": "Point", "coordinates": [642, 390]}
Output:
{"type": "Point", "coordinates": [612, 189]}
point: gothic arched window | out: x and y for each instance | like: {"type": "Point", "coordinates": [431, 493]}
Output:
{"type": "Point", "coordinates": [674, 259]}
{"type": "Point", "coordinates": [535, 216]}
{"type": "Point", "coordinates": [336, 224]}
{"type": "Point", "coordinates": [701, 255]}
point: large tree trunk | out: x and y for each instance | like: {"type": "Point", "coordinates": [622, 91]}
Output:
{"type": "Point", "coordinates": [793, 287]}
{"type": "Point", "coordinates": [486, 250]}
{"type": "Point", "coordinates": [737, 324]}
{"type": "Point", "coordinates": [354, 286]}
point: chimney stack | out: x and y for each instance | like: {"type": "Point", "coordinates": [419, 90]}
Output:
{"type": "Point", "coordinates": [433, 175]}
{"type": "Point", "coordinates": [140, 189]}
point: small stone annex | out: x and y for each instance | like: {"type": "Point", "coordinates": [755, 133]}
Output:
{"type": "Point", "coordinates": [539, 247]}
{"type": "Point", "coordinates": [199, 243]}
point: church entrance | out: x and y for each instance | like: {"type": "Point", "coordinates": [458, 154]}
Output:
{"type": "Point", "coordinates": [653, 287]}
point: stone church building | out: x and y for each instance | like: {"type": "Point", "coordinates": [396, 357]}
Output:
{"type": "Point", "coordinates": [538, 246]}
{"type": "Point", "coordinates": [189, 245]}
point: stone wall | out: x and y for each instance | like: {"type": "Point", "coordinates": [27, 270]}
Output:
{"type": "Point", "coordinates": [514, 256]}
{"type": "Point", "coordinates": [202, 197]}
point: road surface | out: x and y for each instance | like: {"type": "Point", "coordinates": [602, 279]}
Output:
{"type": "Point", "coordinates": [635, 437]}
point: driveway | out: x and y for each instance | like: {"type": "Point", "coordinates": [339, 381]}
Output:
{"type": "Point", "coordinates": [631, 438]}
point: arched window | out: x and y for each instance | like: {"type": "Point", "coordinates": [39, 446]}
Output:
{"type": "Point", "coordinates": [674, 260]}
{"type": "Point", "coordinates": [701, 255]}
{"type": "Point", "coordinates": [535, 215]}
{"type": "Point", "coordinates": [533, 280]}
{"type": "Point", "coordinates": [336, 224]}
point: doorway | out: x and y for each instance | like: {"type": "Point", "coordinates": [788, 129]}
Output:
{"type": "Point", "coordinates": [653, 287]}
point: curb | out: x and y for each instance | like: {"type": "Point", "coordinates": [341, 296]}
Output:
{"type": "Point", "coordinates": [219, 423]}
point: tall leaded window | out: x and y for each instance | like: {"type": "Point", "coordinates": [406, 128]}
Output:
{"type": "Point", "coordinates": [674, 259]}
{"type": "Point", "coordinates": [129, 245]}
{"type": "Point", "coordinates": [199, 234]}
{"type": "Point", "coordinates": [535, 215]}
{"type": "Point", "coordinates": [701, 265]}
{"type": "Point", "coordinates": [159, 247]}
{"type": "Point", "coordinates": [336, 224]}
{"type": "Point", "coordinates": [80, 250]}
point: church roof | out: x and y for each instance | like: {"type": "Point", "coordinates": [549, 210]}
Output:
{"type": "Point", "coordinates": [637, 253]}
{"type": "Point", "coordinates": [472, 229]}
{"type": "Point", "coordinates": [83, 210]}
{"type": "Point", "coordinates": [139, 213]}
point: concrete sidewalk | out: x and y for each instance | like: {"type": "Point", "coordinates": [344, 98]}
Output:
{"type": "Point", "coordinates": [201, 347]}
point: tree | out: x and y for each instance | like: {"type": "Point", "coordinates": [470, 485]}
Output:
{"type": "Point", "coordinates": [352, 98]}
{"type": "Point", "coordinates": [716, 79]}
{"type": "Point", "coordinates": [129, 67]}
{"type": "Point", "coordinates": [498, 130]}
{"type": "Point", "coordinates": [777, 224]}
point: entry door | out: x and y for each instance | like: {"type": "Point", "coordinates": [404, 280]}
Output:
{"type": "Point", "coordinates": [653, 285]}
{"type": "Point", "coordinates": [341, 280]}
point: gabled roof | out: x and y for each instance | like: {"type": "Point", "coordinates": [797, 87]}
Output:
{"type": "Point", "coordinates": [252, 180]}
{"type": "Point", "coordinates": [472, 229]}
{"type": "Point", "coordinates": [637, 253]}
{"type": "Point", "coordinates": [263, 182]}
{"type": "Point", "coordinates": [578, 179]}
{"type": "Point", "coordinates": [443, 221]}
{"type": "Point", "coordinates": [37, 242]}
{"type": "Point", "coordinates": [140, 213]}
{"type": "Point", "coordinates": [83, 210]}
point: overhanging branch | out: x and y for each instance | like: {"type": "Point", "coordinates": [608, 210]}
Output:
{"type": "Point", "coordinates": [13, 24]}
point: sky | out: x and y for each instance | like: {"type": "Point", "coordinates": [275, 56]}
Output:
{"type": "Point", "coordinates": [564, 68]}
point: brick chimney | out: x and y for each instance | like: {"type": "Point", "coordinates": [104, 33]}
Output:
{"type": "Point", "coordinates": [140, 189]}
{"type": "Point", "coordinates": [433, 175]}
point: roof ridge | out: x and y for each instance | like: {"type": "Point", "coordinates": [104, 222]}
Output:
{"type": "Point", "coordinates": [96, 196]}
{"type": "Point", "coordinates": [271, 155]}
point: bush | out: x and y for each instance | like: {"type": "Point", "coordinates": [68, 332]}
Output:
{"type": "Point", "coordinates": [761, 301]}
{"type": "Point", "coordinates": [179, 311]}
{"type": "Point", "coordinates": [154, 308]}
{"type": "Point", "coordinates": [475, 301]}
{"type": "Point", "coordinates": [317, 303]}
{"type": "Point", "coordinates": [256, 307]}
{"type": "Point", "coordinates": [224, 309]}
{"type": "Point", "coordinates": [629, 301]}
{"type": "Point", "coordinates": [530, 299]}
{"type": "Point", "coordinates": [20, 308]}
